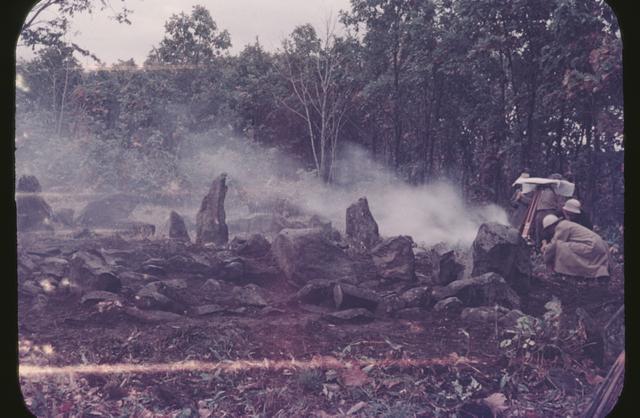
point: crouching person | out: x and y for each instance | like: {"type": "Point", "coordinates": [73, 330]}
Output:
{"type": "Point", "coordinates": [574, 250]}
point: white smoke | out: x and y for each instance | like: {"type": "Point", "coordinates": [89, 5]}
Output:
{"type": "Point", "coordinates": [431, 213]}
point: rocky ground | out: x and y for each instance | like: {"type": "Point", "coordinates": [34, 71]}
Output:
{"type": "Point", "coordinates": [301, 321]}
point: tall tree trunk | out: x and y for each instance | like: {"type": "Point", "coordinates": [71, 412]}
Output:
{"type": "Point", "coordinates": [527, 149]}
{"type": "Point", "coordinates": [62, 99]}
{"type": "Point", "coordinates": [397, 130]}
{"type": "Point", "coordinates": [434, 138]}
{"type": "Point", "coordinates": [559, 163]}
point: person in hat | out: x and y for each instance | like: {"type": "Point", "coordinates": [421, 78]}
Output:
{"type": "Point", "coordinates": [574, 250]}
{"type": "Point", "coordinates": [572, 211]}
{"type": "Point", "coordinates": [549, 203]}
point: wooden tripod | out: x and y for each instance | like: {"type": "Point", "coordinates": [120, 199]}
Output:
{"type": "Point", "coordinates": [525, 228]}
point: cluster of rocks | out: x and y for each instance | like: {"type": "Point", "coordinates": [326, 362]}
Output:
{"type": "Point", "coordinates": [366, 275]}
{"type": "Point", "coordinates": [33, 213]}
{"type": "Point", "coordinates": [151, 281]}
{"type": "Point", "coordinates": [358, 277]}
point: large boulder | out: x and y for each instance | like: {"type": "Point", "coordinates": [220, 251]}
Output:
{"type": "Point", "coordinates": [88, 270]}
{"type": "Point", "coordinates": [33, 212]}
{"type": "Point", "coordinates": [186, 264]}
{"type": "Point", "coordinates": [451, 267]}
{"type": "Point", "coordinates": [255, 245]}
{"type": "Point", "coordinates": [160, 295]}
{"type": "Point", "coordinates": [361, 228]}
{"type": "Point", "coordinates": [108, 211]}
{"type": "Point", "coordinates": [418, 297]}
{"type": "Point", "coordinates": [307, 254]}
{"type": "Point", "coordinates": [28, 184]}
{"type": "Point", "coordinates": [499, 248]}
{"type": "Point", "coordinates": [177, 228]}
{"type": "Point", "coordinates": [394, 259]}
{"type": "Point", "coordinates": [211, 224]}
{"type": "Point", "coordinates": [346, 296]}
{"type": "Point", "coordinates": [484, 290]}
{"type": "Point", "coordinates": [317, 292]}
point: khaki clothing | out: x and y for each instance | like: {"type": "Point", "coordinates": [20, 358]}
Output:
{"type": "Point", "coordinates": [536, 233]}
{"type": "Point", "coordinates": [549, 203]}
{"type": "Point", "coordinates": [549, 200]}
{"type": "Point", "coordinates": [577, 251]}
{"type": "Point", "coordinates": [581, 218]}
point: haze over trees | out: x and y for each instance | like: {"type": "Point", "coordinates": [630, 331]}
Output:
{"type": "Point", "coordinates": [466, 90]}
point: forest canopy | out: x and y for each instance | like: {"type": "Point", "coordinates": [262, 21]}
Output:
{"type": "Point", "coordinates": [474, 92]}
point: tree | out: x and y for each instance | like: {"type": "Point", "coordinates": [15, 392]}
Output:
{"type": "Point", "coordinates": [315, 72]}
{"type": "Point", "coordinates": [37, 30]}
{"type": "Point", "coordinates": [189, 67]}
{"type": "Point", "coordinates": [387, 35]}
{"type": "Point", "coordinates": [51, 77]}
{"type": "Point", "coordinates": [190, 40]}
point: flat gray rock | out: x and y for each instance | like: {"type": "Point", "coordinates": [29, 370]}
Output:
{"type": "Point", "coordinates": [206, 310]}
{"type": "Point", "coordinates": [99, 296]}
{"type": "Point", "coordinates": [448, 305]}
{"type": "Point", "coordinates": [356, 315]}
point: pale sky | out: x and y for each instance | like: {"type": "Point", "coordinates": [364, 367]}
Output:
{"type": "Point", "coordinates": [270, 20]}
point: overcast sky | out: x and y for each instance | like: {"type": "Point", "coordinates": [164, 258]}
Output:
{"type": "Point", "coordinates": [270, 20]}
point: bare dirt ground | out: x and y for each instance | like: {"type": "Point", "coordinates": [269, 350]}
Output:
{"type": "Point", "coordinates": [288, 361]}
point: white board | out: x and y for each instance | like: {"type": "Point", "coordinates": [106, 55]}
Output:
{"type": "Point", "coordinates": [561, 187]}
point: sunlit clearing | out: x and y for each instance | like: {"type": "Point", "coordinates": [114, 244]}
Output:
{"type": "Point", "coordinates": [27, 370]}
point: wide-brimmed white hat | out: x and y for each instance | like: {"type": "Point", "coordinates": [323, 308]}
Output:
{"type": "Point", "coordinates": [572, 206]}
{"type": "Point", "coordinates": [549, 220]}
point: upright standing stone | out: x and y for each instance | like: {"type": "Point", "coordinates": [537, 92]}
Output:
{"type": "Point", "coordinates": [108, 211]}
{"type": "Point", "coordinates": [362, 229]}
{"type": "Point", "coordinates": [177, 228]}
{"type": "Point", "coordinates": [28, 184]}
{"type": "Point", "coordinates": [210, 222]}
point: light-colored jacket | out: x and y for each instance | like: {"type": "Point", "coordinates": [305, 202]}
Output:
{"type": "Point", "coordinates": [550, 200]}
{"type": "Point", "coordinates": [577, 251]}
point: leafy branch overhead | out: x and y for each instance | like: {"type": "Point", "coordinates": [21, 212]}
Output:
{"type": "Point", "coordinates": [49, 21]}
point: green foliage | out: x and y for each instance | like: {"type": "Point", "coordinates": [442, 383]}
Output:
{"type": "Point", "coordinates": [190, 39]}
{"type": "Point", "coordinates": [529, 334]}
{"type": "Point", "coordinates": [49, 21]}
{"type": "Point", "coordinates": [473, 91]}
